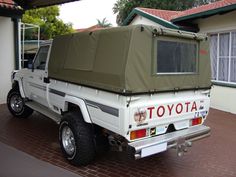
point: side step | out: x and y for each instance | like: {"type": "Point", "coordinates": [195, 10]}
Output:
{"type": "Point", "coordinates": [44, 110]}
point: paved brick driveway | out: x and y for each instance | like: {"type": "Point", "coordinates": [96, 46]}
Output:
{"type": "Point", "coordinates": [211, 157]}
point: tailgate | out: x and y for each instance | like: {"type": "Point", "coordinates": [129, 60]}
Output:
{"type": "Point", "coordinates": [167, 112]}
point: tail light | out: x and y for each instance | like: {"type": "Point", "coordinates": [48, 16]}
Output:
{"type": "Point", "coordinates": [136, 134]}
{"type": "Point", "coordinates": [196, 121]}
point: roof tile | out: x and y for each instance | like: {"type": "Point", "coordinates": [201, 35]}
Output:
{"type": "Point", "coordinates": [90, 29]}
{"type": "Point", "coordinates": [170, 15]}
{"type": "Point", "coordinates": [206, 7]}
{"type": "Point", "coordinates": [165, 14]}
{"type": "Point", "coordinates": [9, 4]}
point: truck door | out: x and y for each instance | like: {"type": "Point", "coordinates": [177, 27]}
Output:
{"type": "Point", "coordinates": [36, 78]}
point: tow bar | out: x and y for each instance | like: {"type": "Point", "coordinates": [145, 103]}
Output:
{"type": "Point", "coordinates": [182, 146]}
{"type": "Point", "coordinates": [180, 140]}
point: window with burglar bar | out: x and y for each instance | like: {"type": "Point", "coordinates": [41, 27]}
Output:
{"type": "Point", "coordinates": [223, 57]}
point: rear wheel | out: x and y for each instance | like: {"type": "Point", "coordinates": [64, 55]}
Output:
{"type": "Point", "coordinates": [16, 104]}
{"type": "Point", "coordinates": [76, 139]}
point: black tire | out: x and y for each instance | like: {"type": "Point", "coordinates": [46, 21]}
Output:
{"type": "Point", "coordinates": [82, 140]}
{"type": "Point", "coordinates": [22, 111]}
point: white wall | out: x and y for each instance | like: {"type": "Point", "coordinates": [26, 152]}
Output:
{"type": "Point", "coordinates": [218, 23]}
{"type": "Point", "coordinates": [6, 56]}
{"type": "Point", "coordinates": [222, 98]}
{"type": "Point", "coordinates": [144, 21]}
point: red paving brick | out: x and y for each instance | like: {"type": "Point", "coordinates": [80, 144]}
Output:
{"type": "Point", "coordinates": [212, 157]}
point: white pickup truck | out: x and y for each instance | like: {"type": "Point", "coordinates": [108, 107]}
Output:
{"type": "Point", "coordinates": [139, 88]}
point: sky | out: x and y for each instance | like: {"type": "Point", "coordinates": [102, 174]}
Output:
{"type": "Point", "coordinates": [84, 13]}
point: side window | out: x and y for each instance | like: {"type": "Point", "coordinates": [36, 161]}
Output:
{"type": "Point", "coordinates": [41, 58]}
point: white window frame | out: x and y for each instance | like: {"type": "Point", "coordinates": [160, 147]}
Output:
{"type": "Point", "coordinates": [218, 58]}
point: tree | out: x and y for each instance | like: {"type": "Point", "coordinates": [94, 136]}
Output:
{"type": "Point", "coordinates": [104, 23]}
{"type": "Point", "coordinates": [124, 7]}
{"type": "Point", "coordinates": [47, 19]}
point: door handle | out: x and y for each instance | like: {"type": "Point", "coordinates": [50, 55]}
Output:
{"type": "Point", "coordinates": [46, 80]}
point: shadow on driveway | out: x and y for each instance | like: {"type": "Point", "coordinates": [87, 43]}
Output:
{"type": "Point", "coordinates": [15, 163]}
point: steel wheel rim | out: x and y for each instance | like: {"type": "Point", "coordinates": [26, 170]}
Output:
{"type": "Point", "coordinates": [16, 103]}
{"type": "Point", "coordinates": [68, 140]}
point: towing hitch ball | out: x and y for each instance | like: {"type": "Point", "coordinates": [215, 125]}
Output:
{"type": "Point", "coordinates": [182, 148]}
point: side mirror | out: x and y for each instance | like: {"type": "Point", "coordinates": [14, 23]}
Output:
{"type": "Point", "coordinates": [30, 66]}
{"type": "Point", "coordinates": [32, 69]}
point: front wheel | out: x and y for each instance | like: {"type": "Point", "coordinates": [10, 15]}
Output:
{"type": "Point", "coordinates": [16, 105]}
{"type": "Point", "coordinates": [76, 139]}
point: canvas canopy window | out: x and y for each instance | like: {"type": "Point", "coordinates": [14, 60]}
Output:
{"type": "Point", "coordinates": [124, 60]}
{"type": "Point", "coordinates": [176, 57]}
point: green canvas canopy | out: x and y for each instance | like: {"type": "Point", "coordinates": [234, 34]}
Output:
{"type": "Point", "coordinates": [132, 59]}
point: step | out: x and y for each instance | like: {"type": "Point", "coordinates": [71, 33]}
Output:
{"type": "Point", "coordinates": [44, 110]}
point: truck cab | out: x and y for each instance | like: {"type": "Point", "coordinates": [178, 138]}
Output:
{"type": "Point", "coordinates": [36, 76]}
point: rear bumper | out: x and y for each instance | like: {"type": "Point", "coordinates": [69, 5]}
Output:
{"type": "Point", "coordinates": [161, 143]}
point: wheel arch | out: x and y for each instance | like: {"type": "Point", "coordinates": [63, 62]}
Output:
{"type": "Point", "coordinates": [74, 103]}
{"type": "Point", "coordinates": [18, 85]}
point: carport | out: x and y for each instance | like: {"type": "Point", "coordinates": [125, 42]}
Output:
{"type": "Point", "coordinates": [31, 4]}
{"type": "Point", "coordinates": [11, 12]}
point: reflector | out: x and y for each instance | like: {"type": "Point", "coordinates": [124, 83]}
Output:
{"type": "Point", "coordinates": [138, 134]}
{"type": "Point", "coordinates": [196, 121]}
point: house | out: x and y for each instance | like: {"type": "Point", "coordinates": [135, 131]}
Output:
{"type": "Point", "coordinates": [10, 14]}
{"type": "Point", "coordinates": [218, 21]}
